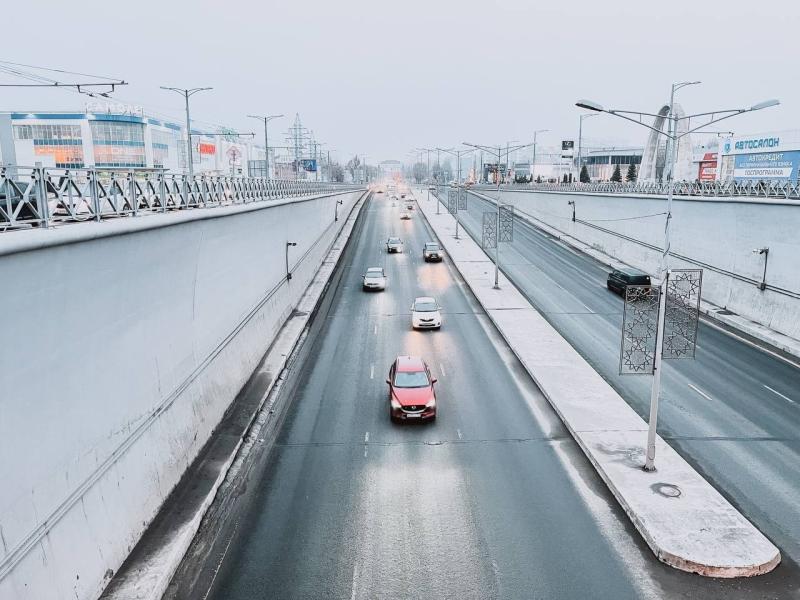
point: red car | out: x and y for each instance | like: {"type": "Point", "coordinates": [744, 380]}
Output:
{"type": "Point", "coordinates": [411, 393]}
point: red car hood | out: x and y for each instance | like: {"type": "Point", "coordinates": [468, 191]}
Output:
{"type": "Point", "coordinates": [413, 396]}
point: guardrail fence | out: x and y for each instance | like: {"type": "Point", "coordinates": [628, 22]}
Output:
{"type": "Point", "coordinates": [42, 196]}
{"type": "Point", "coordinates": [757, 189]}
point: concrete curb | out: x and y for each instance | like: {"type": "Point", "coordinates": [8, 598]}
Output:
{"type": "Point", "coordinates": [149, 579]}
{"type": "Point", "coordinates": [749, 328]}
{"type": "Point", "coordinates": [687, 523]}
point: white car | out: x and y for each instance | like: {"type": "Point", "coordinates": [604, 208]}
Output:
{"type": "Point", "coordinates": [405, 216]}
{"type": "Point", "coordinates": [426, 313]}
{"type": "Point", "coordinates": [394, 244]}
{"type": "Point", "coordinates": [374, 279]}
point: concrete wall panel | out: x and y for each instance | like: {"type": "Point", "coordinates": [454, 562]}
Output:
{"type": "Point", "coordinates": [122, 346]}
{"type": "Point", "coordinates": [719, 233]}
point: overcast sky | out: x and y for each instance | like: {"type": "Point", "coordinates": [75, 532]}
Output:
{"type": "Point", "coordinates": [385, 77]}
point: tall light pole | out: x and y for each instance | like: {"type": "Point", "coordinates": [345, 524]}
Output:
{"type": "Point", "coordinates": [673, 137]}
{"type": "Point", "coordinates": [580, 140]}
{"type": "Point", "coordinates": [508, 161]}
{"type": "Point", "coordinates": [266, 120]}
{"type": "Point", "coordinates": [497, 150]}
{"type": "Point", "coordinates": [428, 171]}
{"type": "Point", "coordinates": [438, 176]}
{"type": "Point", "coordinates": [533, 166]}
{"type": "Point", "coordinates": [187, 93]}
{"type": "Point", "coordinates": [458, 154]}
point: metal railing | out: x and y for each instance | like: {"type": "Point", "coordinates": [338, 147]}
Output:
{"type": "Point", "coordinates": [715, 189]}
{"type": "Point", "coordinates": [43, 196]}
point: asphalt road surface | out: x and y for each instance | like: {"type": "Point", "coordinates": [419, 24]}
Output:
{"type": "Point", "coordinates": [493, 500]}
{"type": "Point", "coordinates": [733, 412]}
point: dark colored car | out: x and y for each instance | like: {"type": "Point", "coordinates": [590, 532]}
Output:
{"type": "Point", "coordinates": [411, 393]}
{"type": "Point", "coordinates": [619, 279]}
{"type": "Point", "coordinates": [431, 251]}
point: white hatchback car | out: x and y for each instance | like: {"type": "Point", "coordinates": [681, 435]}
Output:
{"type": "Point", "coordinates": [426, 313]}
{"type": "Point", "coordinates": [374, 279]}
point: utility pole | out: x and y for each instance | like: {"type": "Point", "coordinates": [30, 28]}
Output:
{"type": "Point", "coordinates": [187, 93]}
{"type": "Point", "coordinates": [266, 120]}
{"type": "Point", "coordinates": [533, 166]}
{"type": "Point", "coordinates": [580, 141]}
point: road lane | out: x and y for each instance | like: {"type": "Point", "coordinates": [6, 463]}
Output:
{"type": "Point", "coordinates": [493, 500]}
{"type": "Point", "coordinates": [742, 436]}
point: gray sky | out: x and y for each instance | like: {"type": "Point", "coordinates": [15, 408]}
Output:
{"type": "Point", "coordinates": [383, 78]}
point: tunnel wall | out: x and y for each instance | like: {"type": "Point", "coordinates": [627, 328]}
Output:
{"type": "Point", "coordinates": [123, 344]}
{"type": "Point", "coordinates": [715, 234]}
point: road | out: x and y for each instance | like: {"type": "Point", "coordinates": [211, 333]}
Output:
{"type": "Point", "coordinates": [493, 500]}
{"type": "Point", "coordinates": [733, 412]}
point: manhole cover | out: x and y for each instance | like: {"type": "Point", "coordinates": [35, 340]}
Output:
{"type": "Point", "coordinates": [666, 489]}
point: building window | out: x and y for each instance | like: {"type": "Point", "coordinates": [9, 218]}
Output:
{"type": "Point", "coordinates": [162, 142]}
{"type": "Point", "coordinates": [62, 142]}
{"type": "Point", "coordinates": [118, 144]}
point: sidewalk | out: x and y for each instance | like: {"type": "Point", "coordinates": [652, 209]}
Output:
{"type": "Point", "coordinates": [684, 520]}
{"type": "Point", "coordinates": [751, 329]}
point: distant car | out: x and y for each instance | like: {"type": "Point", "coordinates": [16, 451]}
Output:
{"type": "Point", "coordinates": [431, 188]}
{"type": "Point", "coordinates": [619, 279]}
{"type": "Point", "coordinates": [379, 192]}
{"type": "Point", "coordinates": [432, 252]}
{"type": "Point", "coordinates": [405, 215]}
{"type": "Point", "coordinates": [402, 195]}
{"type": "Point", "coordinates": [394, 244]}
{"type": "Point", "coordinates": [411, 393]}
{"type": "Point", "coordinates": [409, 206]}
{"type": "Point", "coordinates": [374, 279]}
{"type": "Point", "coordinates": [426, 313]}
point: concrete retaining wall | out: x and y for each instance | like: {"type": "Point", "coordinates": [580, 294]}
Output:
{"type": "Point", "coordinates": [123, 343]}
{"type": "Point", "coordinates": [718, 235]}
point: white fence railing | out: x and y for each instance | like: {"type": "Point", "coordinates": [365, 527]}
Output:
{"type": "Point", "coordinates": [41, 196]}
{"type": "Point", "coordinates": [755, 189]}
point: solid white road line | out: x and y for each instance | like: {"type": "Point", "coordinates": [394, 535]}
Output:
{"type": "Point", "coordinates": [701, 392]}
{"type": "Point", "coordinates": [372, 371]}
{"type": "Point", "coordinates": [441, 367]}
{"type": "Point", "coordinates": [375, 331]}
{"type": "Point", "coordinates": [779, 394]}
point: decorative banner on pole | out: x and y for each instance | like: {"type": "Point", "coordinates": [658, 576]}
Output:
{"type": "Point", "coordinates": [462, 199]}
{"type": "Point", "coordinates": [489, 237]}
{"type": "Point", "coordinates": [682, 313]}
{"type": "Point", "coordinates": [506, 223]}
{"type": "Point", "coordinates": [452, 202]}
{"type": "Point", "coordinates": [639, 327]}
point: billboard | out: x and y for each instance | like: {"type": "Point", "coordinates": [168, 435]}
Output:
{"type": "Point", "coordinates": [567, 148]}
{"type": "Point", "coordinates": [309, 164]}
{"type": "Point", "coordinates": [780, 166]}
{"type": "Point", "coordinates": [707, 169]}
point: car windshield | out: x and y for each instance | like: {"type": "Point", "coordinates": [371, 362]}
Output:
{"type": "Point", "coordinates": [411, 379]}
{"type": "Point", "coordinates": [431, 246]}
{"type": "Point", "coordinates": [425, 306]}
{"type": "Point", "coordinates": [394, 240]}
{"type": "Point", "coordinates": [374, 275]}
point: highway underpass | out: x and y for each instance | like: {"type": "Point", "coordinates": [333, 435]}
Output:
{"type": "Point", "coordinates": [493, 500]}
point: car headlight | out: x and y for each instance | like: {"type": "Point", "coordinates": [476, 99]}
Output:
{"type": "Point", "coordinates": [395, 404]}
{"type": "Point", "coordinates": [431, 403]}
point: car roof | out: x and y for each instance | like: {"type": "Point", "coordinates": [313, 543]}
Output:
{"type": "Point", "coordinates": [409, 364]}
{"type": "Point", "coordinates": [424, 299]}
{"type": "Point", "coordinates": [632, 272]}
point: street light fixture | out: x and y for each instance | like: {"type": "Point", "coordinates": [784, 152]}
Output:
{"type": "Point", "coordinates": [186, 93]}
{"type": "Point", "coordinates": [336, 209]}
{"type": "Point", "coordinates": [674, 137]}
{"type": "Point", "coordinates": [498, 150]}
{"type": "Point", "coordinates": [266, 120]}
{"type": "Point", "coordinates": [288, 272]}
{"type": "Point", "coordinates": [458, 154]}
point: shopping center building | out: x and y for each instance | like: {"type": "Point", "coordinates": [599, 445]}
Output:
{"type": "Point", "coordinates": [122, 137]}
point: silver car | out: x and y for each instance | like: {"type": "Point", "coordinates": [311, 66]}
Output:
{"type": "Point", "coordinates": [374, 279]}
{"type": "Point", "coordinates": [394, 244]}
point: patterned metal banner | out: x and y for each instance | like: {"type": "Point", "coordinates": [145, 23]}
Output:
{"type": "Point", "coordinates": [682, 313]}
{"type": "Point", "coordinates": [639, 327]}
{"type": "Point", "coordinates": [489, 238]}
{"type": "Point", "coordinates": [452, 202]}
{"type": "Point", "coordinates": [462, 199]}
{"type": "Point", "coordinates": [506, 223]}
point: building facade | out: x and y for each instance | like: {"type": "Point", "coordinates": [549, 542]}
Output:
{"type": "Point", "coordinates": [123, 138]}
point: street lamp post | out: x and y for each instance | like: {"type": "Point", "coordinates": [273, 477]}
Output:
{"type": "Point", "coordinates": [673, 138]}
{"type": "Point", "coordinates": [533, 166]}
{"type": "Point", "coordinates": [336, 210]}
{"type": "Point", "coordinates": [288, 272]}
{"type": "Point", "coordinates": [187, 93]}
{"type": "Point", "coordinates": [580, 141]}
{"type": "Point", "coordinates": [458, 154]}
{"type": "Point", "coordinates": [497, 150]}
{"type": "Point", "coordinates": [266, 120]}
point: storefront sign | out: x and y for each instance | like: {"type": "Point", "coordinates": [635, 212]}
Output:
{"type": "Point", "coordinates": [766, 166]}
